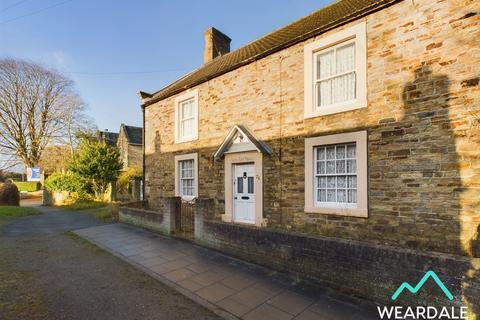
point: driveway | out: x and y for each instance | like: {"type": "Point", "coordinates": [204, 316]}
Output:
{"type": "Point", "coordinates": [48, 273]}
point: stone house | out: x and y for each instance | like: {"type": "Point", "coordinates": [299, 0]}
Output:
{"type": "Point", "coordinates": [129, 142]}
{"type": "Point", "coordinates": [130, 145]}
{"type": "Point", "coordinates": [342, 148]}
{"type": "Point", "coordinates": [110, 138]}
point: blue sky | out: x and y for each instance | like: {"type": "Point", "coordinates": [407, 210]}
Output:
{"type": "Point", "coordinates": [111, 49]}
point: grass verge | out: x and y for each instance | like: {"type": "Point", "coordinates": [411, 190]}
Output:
{"type": "Point", "coordinates": [104, 211]}
{"type": "Point", "coordinates": [12, 211]}
{"type": "Point", "coordinates": [84, 205]}
{"type": "Point", "coordinates": [83, 241]}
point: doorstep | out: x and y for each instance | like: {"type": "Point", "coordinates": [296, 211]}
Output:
{"type": "Point", "coordinates": [231, 288]}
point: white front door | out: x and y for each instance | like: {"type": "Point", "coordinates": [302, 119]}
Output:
{"type": "Point", "coordinates": [244, 193]}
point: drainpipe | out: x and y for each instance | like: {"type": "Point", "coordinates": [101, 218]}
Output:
{"type": "Point", "coordinates": [143, 152]}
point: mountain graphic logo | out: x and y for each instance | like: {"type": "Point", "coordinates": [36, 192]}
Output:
{"type": "Point", "coordinates": [428, 275]}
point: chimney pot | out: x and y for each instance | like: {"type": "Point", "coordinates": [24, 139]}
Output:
{"type": "Point", "coordinates": [216, 44]}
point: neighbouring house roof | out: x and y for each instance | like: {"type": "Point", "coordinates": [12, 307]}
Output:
{"type": "Point", "coordinates": [240, 139]}
{"type": "Point", "coordinates": [134, 134]}
{"type": "Point", "coordinates": [110, 138]}
{"type": "Point", "coordinates": [318, 22]}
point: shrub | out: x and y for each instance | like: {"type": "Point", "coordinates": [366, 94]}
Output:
{"type": "Point", "coordinates": [69, 182]}
{"type": "Point", "coordinates": [98, 163]}
{"type": "Point", "coordinates": [125, 177]}
{"type": "Point", "coordinates": [9, 194]}
{"type": "Point", "coordinates": [29, 186]}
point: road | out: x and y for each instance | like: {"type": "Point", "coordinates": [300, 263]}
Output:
{"type": "Point", "coordinates": [48, 273]}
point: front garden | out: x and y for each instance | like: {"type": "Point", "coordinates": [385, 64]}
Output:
{"type": "Point", "coordinates": [87, 185]}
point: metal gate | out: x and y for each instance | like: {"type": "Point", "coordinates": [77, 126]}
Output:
{"type": "Point", "coordinates": [184, 219]}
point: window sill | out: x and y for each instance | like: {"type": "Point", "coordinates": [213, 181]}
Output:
{"type": "Point", "coordinates": [188, 198]}
{"type": "Point", "coordinates": [185, 140]}
{"type": "Point", "coordinates": [323, 111]}
{"type": "Point", "coordinates": [351, 212]}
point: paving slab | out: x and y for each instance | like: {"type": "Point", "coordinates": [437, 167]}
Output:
{"type": "Point", "coordinates": [230, 287]}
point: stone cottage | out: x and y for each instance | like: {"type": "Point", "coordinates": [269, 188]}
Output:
{"type": "Point", "coordinates": [130, 144]}
{"type": "Point", "coordinates": [342, 148]}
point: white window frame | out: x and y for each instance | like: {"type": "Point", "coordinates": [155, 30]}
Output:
{"type": "Point", "coordinates": [359, 209]}
{"type": "Point", "coordinates": [357, 34]}
{"type": "Point", "coordinates": [193, 94]}
{"type": "Point", "coordinates": [178, 191]}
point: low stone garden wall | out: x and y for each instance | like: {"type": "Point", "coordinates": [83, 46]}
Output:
{"type": "Point", "coordinates": [140, 214]}
{"type": "Point", "coordinates": [353, 267]}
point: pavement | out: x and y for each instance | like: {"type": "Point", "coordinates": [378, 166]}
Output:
{"type": "Point", "coordinates": [231, 288]}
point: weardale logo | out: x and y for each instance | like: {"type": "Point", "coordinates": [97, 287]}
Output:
{"type": "Point", "coordinates": [422, 312]}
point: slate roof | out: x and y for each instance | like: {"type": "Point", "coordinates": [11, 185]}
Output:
{"type": "Point", "coordinates": [110, 138]}
{"type": "Point", "coordinates": [134, 134]}
{"type": "Point", "coordinates": [329, 17]}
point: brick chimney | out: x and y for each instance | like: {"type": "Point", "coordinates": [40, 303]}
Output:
{"type": "Point", "coordinates": [216, 44]}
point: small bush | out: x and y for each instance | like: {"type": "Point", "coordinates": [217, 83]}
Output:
{"type": "Point", "coordinates": [126, 177]}
{"type": "Point", "coordinates": [69, 182]}
{"type": "Point", "coordinates": [29, 186]}
{"type": "Point", "coordinates": [9, 194]}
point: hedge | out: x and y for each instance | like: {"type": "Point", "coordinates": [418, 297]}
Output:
{"type": "Point", "coordinates": [29, 186]}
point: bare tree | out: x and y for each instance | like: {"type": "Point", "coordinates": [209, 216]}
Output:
{"type": "Point", "coordinates": [37, 107]}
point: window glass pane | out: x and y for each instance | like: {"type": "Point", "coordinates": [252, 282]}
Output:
{"type": "Point", "coordinates": [351, 166]}
{"type": "Point", "coordinates": [343, 88]}
{"type": "Point", "coordinates": [352, 196]}
{"type": "Point", "coordinates": [186, 128]}
{"type": "Point", "coordinates": [330, 167]}
{"type": "Point", "coordinates": [340, 166]}
{"type": "Point", "coordinates": [345, 60]}
{"type": "Point", "coordinates": [341, 182]}
{"type": "Point", "coordinates": [324, 92]}
{"type": "Point", "coordinates": [325, 65]}
{"type": "Point", "coordinates": [321, 167]}
{"type": "Point", "coordinates": [320, 153]}
{"type": "Point", "coordinates": [330, 182]}
{"type": "Point", "coordinates": [341, 195]}
{"type": "Point", "coordinates": [323, 195]}
{"type": "Point", "coordinates": [323, 182]}
{"type": "Point", "coordinates": [187, 109]}
{"type": "Point", "coordinates": [331, 152]}
{"type": "Point", "coordinates": [239, 184]}
{"type": "Point", "coordinates": [186, 187]}
{"type": "Point", "coordinates": [351, 150]}
{"type": "Point", "coordinates": [331, 197]}
{"type": "Point", "coordinates": [186, 169]}
{"type": "Point", "coordinates": [352, 182]}
{"type": "Point", "coordinates": [250, 184]}
{"type": "Point", "coordinates": [340, 149]}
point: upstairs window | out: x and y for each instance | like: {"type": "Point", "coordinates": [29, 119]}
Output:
{"type": "Point", "coordinates": [335, 72]}
{"type": "Point", "coordinates": [186, 117]}
{"type": "Point", "coordinates": [335, 75]}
